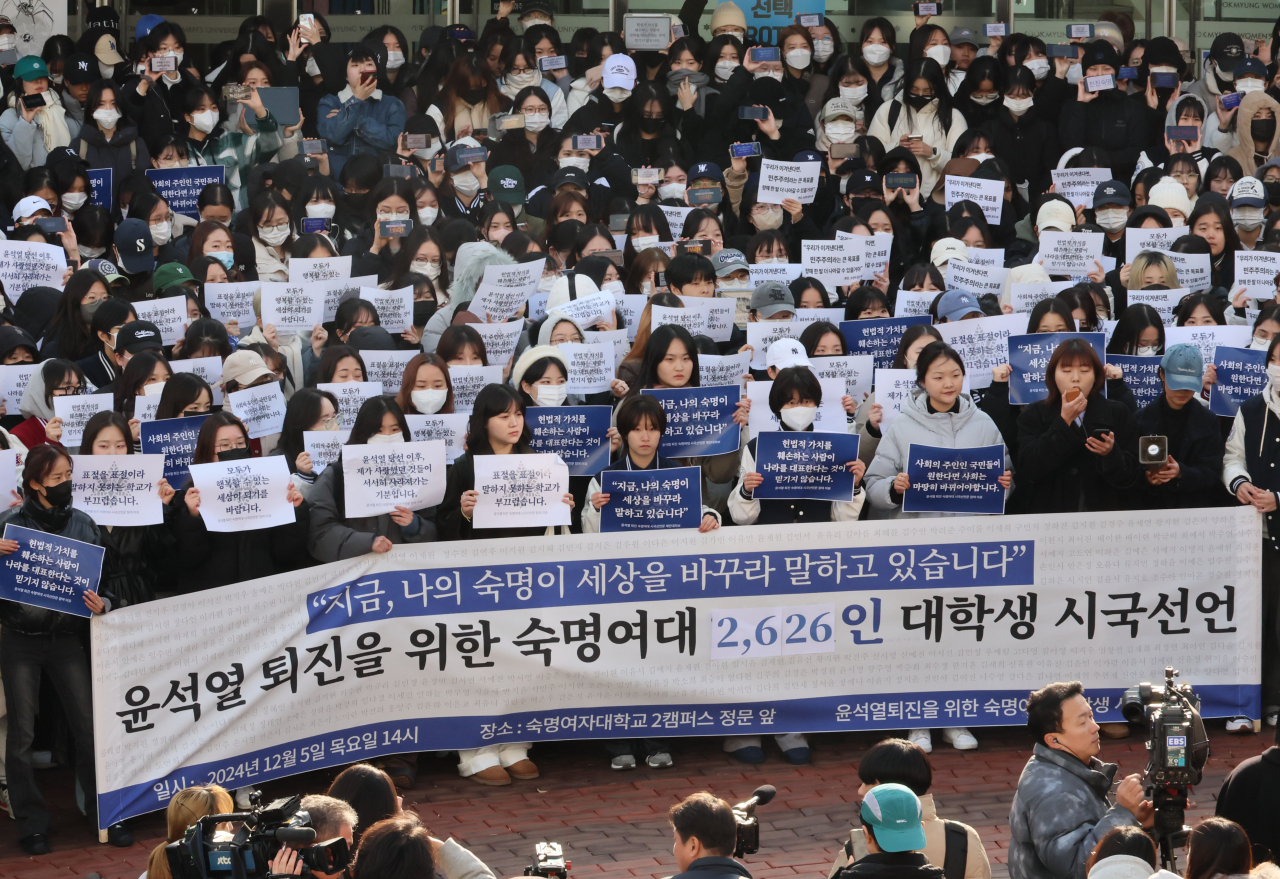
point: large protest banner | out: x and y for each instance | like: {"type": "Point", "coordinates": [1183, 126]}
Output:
{"type": "Point", "coordinates": [421, 648]}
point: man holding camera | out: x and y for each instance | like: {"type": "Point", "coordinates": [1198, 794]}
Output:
{"type": "Point", "coordinates": [1060, 810]}
{"type": "Point", "coordinates": [706, 836]}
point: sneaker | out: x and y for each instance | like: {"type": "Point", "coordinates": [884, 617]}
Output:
{"type": "Point", "coordinates": [35, 844]}
{"type": "Point", "coordinates": [119, 836]}
{"type": "Point", "coordinates": [243, 802]}
{"type": "Point", "coordinates": [1240, 725]}
{"type": "Point", "coordinates": [660, 760]}
{"type": "Point", "coordinates": [1272, 717]}
{"type": "Point", "coordinates": [624, 761]}
{"type": "Point", "coordinates": [960, 738]}
{"type": "Point", "coordinates": [922, 739]}
{"type": "Point", "coordinates": [795, 748]}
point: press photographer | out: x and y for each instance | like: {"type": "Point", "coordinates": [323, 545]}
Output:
{"type": "Point", "coordinates": [1061, 810]}
{"type": "Point", "coordinates": [706, 834]}
{"type": "Point", "coordinates": [893, 824]}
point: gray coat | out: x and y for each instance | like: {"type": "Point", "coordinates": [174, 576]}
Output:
{"type": "Point", "coordinates": [334, 537]}
{"type": "Point", "coordinates": [1059, 813]}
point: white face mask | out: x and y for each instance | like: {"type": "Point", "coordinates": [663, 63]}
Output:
{"type": "Point", "coordinates": [1075, 73]}
{"type": "Point", "coordinates": [769, 74]}
{"type": "Point", "coordinates": [313, 69]}
{"type": "Point", "coordinates": [90, 252]}
{"type": "Point", "coordinates": [425, 267]}
{"type": "Point", "coordinates": [205, 120]}
{"type": "Point", "coordinates": [56, 77]}
{"type": "Point", "coordinates": [580, 162]}
{"type": "Point", "coordinates": [725, 68]}
{"type": "Point", "coordinates": [643, 242]}
{"type": "Point", "coordinates": [545, 285]}
{"type": "Point", "coordinates": [74, 201]}
{"type": "Point", "coordinates": [1249, 84]}
{"type": "Point", "coordinates": [107, 118]}
{"type": "Point", "coordinates": [161, 233]}
{"type": "Point", "coordinates": [274, 235]}
{"type": "Point", "coordinates": [841, 132]}
{"type": "Point", "coordinates": [535, 122]}
{"type": "Point", "coordinates": [617, 95]}
{"type": "Point", "coordinates": [646, 289]}
{"type": "Point", "coordinates": [107, 70]}
{"type": "Point", "coordinates": [428, 216]}
{"type": "Point", "coordinates": [798, 417]}
{"type": "Point", "coordinates": [1018, 106]}
{"type": "Point", "coordinates": [614, 287]}
{"type": "Point", "coordinates": [523, 80]}
{"type": "Point", "coordinates": [941, 54]}
{"type": "Point", "coordinates": [8, 42]}
{"type": "Point", "coordinates": [981, 157]}
{"type": "Point", "coordinates": [550, 395]}
{"type": "Point", "coordinates": [876, 54]}
{"type": "Point", "coordinates": [671, 190]}
{"type": "Point", "coordinates": [322, 210]}
{"type": "Point", "coordinates": [1247, 219]}
{"type": "Point", "coordinates": [984, 100]}
{"type": "Point", "coordinates": [1260, 344]}
{"type": "Point", "coordinates": [1112, 219]}
{"type": "Point", "coordinates": [823, 48]}
{"type": "Point", "coordinates": [395, 60]}
{"type": "Point", "coordinates": [466, 183]}
{"type": "Point", "coordinates": [429, 151]}
{"type": "Point", "coordinates": [769, 218]}
{"type": "Point", "coordinates": [428, 401]}
{"type": "Point", "coordinates": [1273, 374]}
{"type": "Point", "coordinates": [799, 59]}
{"type": "Point", "coordinates": [379, 438]}
{"type": "Point", "coordinates": [857, 93]}
{"type": "Point", "coordinates": [1147, 350]}
{"type": "Point", "coordinates": [741, 35]}
{"type": "Point", "coordinates": [1039, 67]}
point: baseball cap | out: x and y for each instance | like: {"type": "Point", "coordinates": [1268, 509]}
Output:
{"type": "Point", "coordinates": [133, 246]}
{"type": "Point", "coordinates": [1113, 192]}
{"type": "Point", "coordinates": [506, 184]}
{"type": "Point", "coordinates": [786, 352]}
{"type": "Point", "coordinates": [706, 171]}
{"type": "Point", "coordinates": [104, 267]}
{"type": "Point", "coordinates": [964, 35]}
{"type": "Point", "coordinates": [105, 50]}
{"type": "Point", "coordinates": [452, 158]}
{"type": "Point", "coordinates": [1183, 368]}
{"type": "Point", "coordinates": [1055, 215]}
{"type": "Point", "coordinates": [80, 69]}
{"type": "Point", "coordinates": [171, 274]}
{"type": "Point", "coordinates": [244, 367]}
{"type": "Point", "coordinates": [1250, 66]}
{"type": "Point", "coordinates": [30, 68]}
{"type": "Point", "coordinates": [570, 177]}
{"type": "Point", "coordinates": [892, 812]}
{"type": "Point", "coordinates": [1248, 192]}
{"type": "Point", "coordinates": [137, 336]}
{"type": "Point", "coordinates": [28, 206]}
{"type": "Point", "coordinates": [772, 297]}
{"type": "Point", "coordinates": [146, 24]}
{"type": "Point", "coordinates": [957, 304]}
{"type": "Point", "coordinates": [728, 261]}
{"type": "Point", "coordinates": [1227, 51]}
{"type": "Point", "coordinates": [532, 6]}
{"type": "Point", "coordinates": [946, 249]}
{"type": "Point", "coordinates": [837, 107]}
{"type": "Point", "coordinates": [619, 72]}
{"type": "Point", "coordinates": [863, 180]}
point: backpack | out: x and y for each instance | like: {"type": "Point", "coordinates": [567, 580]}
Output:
{"type": "Point", "coordinates": [953, 863]}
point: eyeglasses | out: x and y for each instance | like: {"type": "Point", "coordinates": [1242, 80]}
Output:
{"type": "Point", "coordinates": [329, 422]}
{"type": "Point", "coordinates": [520, 70]}
{"type": "Point", "coordinates": [226, 446]}
{"type": "Point", "coordinates": [68, 391]}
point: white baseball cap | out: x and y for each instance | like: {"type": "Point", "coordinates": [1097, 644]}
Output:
{"type": "Point", "coordinates": [28, 206]}
{"type": "Point", "coordinates": [784, 353]}
{"type": "Point", "coordinates": [619, 72]}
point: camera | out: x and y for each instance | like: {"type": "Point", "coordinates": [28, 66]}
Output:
{"type": "Point", "coordinates": [548, 861]}
{"type": "Point", "coordinates": [248, 853]}
{"type": "Point", "coordinates": [1179, 749]}
{"type": "Point", "coordinates": [748, 826]}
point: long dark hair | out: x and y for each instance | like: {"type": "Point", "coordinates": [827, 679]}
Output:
{"type": "Point", "coordinates": [180, 391]}
{"type": "Point", "coordinates": [492, 401]}
{"type": "Point", "coordinates": [404, 398]}
{"type": "Point", "coordinates": [68, 331]}
{"type": "Point", "coordinates": [656, 349]}
{"type": "Point", "coordinates": [332, 357]}
{"type": "Point", "coordinates": [100, 422]}
{"type": "Point", "coordinates": [369, 420]}
{"type": "Point", "coordinates": [1132, 321]}
{"type": "Point", "coordinates": [1217, 847]}
{"type": "Point", "coordinates": [915, 331]}
{"type": "Point", "coordinates": [927, 68]}
{"type": "Point", "coordinates": [302, 412]}
{"type": "Point", "coordinates": [135, 375]}
{"type": "Point", "coordinates": [368, 790]}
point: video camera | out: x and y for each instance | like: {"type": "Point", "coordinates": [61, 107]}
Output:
{"type": "Point", "coordinates": [248, 853]}
{"type": "Point", "coordinates": [1179, 748]}
{"type": "Point", "coordinates": [748, 826]}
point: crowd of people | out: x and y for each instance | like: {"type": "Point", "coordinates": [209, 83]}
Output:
{"type": "Point", "coordinates": [429, 162]}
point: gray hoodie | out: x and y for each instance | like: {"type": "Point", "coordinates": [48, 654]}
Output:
{"type": "Point", "coordinates": [468, 271]}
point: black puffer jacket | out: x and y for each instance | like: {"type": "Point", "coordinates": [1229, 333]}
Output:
{"type": "Point", "coordinates": [216, 558]}
{"type": "Point", "coordinates": [72, 524]}
{"type": "Point", "coordinates": [140, 558]}
{"type": "Point", "coordinates": [892, 865]}
{"type": "Point", "coordinates": [1110, 122]}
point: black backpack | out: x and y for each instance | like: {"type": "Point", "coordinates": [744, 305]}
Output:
{"type": "Point", "coordinates": [953, 862]}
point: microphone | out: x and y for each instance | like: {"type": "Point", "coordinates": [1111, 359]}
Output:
{"type": "Point", "coordinates": [759, 797]}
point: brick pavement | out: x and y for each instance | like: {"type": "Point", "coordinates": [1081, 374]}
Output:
{"type": "Point", "coordinates": [613, 824]}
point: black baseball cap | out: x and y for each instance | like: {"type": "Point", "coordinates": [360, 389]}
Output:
{"type": "Point", "coordinates": [137, 336]}
{"type": "Point", "coordinates": [570, 176]}
{"type": "Point", "coordinates": [81, 69]}
{"type": "Point", "coordinates": [133, 246]}
{"type": "Point", "coordinates": [1226, 51]}
{"type": "Point", "coordinates": [863, 180]}
{"type": "Point", "coordinates": [1113, 192]}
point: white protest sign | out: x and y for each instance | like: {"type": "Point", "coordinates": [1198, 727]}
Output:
{"type": "Point", "coordinates": [13, 384]}
{"type": "Point", "coordinates": [450, 428]}
{"type": "Point", "coordinates": [590, 367]}
{"type": "Point", "coordinates": [977, 279]}
{"type": "Point", "coordinates": [168, 314]}
{"type": "Point", "coordinates": [377, 479]}
{"type": "Point", "coordinates": [893, 389]}
{"type": "Point", "coordinates": [323, 446]}
{"type": "Point", "coordinates": [387, 367]}
{"type": "Point", "coordinates": [986, 194]}
{"type": "Point", "coordinates": [1138, 240]}
{"type": "Point", "coordinates": [395, 307]}
{"type": "Point", "coordinates": [983, 343]}
{"type": "Point", "coordinates": [831, 415]}
{"type": "Point", "coordinates": [1077, 185]}
{"type": "Point", "coordinates": [25, 264]}
{"type": "Point", "coordinates": [118, 489]}
{"type": "Point", "coordinates": [351, 396]}
{"type": "Point", "coordinates": [693, 321]}
{"type": "Point", "coordinates": [763, 333]}
{"type": "Point", "coordinates": [986, 256]}
{"type": "Point", "coordinates": [615, 338]}
{"type": "Point", "coordinates": [717, 315]}
{"type": "Point", "coordinates": [232, 302]}
{"type": "Point", "coordinates": [1208, 338]}
{"type": "Point", "coordinates": [208, 368]}
{"type": "Point", "coordinates": [145, 408]}
{"type": "Point", "coordinates": [1163, 301]}
{"type": "Point", "coordinates": [244, 495]}
{"type": "Point", "coordinates": [875, 254]}
{"type": "Point", "coordinates": [588, 310]}
{"type": "Point", "coordinates": [1194, 271]}
{"type": "Point", "coordinates": [836, 263]}
{"type": "Point", "coordinates": [337, 291]}
{"type": "Point", "coordinates": [1023, 296]}
{"type": "Point", "coordinates": [1256, 272]}
{"type": "Point", "coordinates": [782, 180]}
{"type": "Point", "coordinates": [75, 413]}
{"type": "Point", "coordinates": [468, 381]}
{"type": "Point", "coordinates": [292, 308]}
{"type": "Point", "coordinates": [504, 289]}
{"type": "Point", "coordinates": [304, 270]}
{"type": "Point", "coordinates": [784, 272]}
{"type": "Point", "coordinates": [1071, 253]}
{"type": "Point", "coordinates": [260, 408]}
{"type": "Point", "coordinates": [808, 316]}
{"type": "Point", "coordinates": [520, 491]}
{"type": "Point", "coordinates": [857, 371]}
{"type": "Point", "coordinates": [913, 303]}
{"type": "Point", "coordinates": [675, 218]}
{"type": "Point", "coordinates": [718, 370]}
{"type": "Point", "coordinates": [631, 305]}
{"type": "Point", "coordinates": [500, 340]}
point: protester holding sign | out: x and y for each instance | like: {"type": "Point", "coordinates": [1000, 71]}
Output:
{"type": "Point", "coordinates": [870, 413]}
{"type": "Point", "coordinates": [55, 378]}
{"type": "Point", "coordinates": [309, 410]}
{"type": "Point", "coordinates": [922, 121]}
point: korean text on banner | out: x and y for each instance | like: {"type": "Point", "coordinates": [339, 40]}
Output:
{"type": "Point", "coordinates": [1242, 373]}
{"type": "Point", "coordinates": [520, 491]}
{"type": "Point", "coordinates": [1141, 376]}
{"type": "Point", "coordinates": [1078, 185]}
{"type": "Point", "coordinates": [878, 337]}
{"type": "Point", "coordinates": [986, 194]}
{"type": "Point", "coordinates": [578, 434]}
{"type": "Point", "coordinates": [964, 481]}
{"type": "Point", "coordinates": [351, 396]}
{"type": "Point", "coordinates": [805, 465]}
{"type": "Point", "coordinates": [379, 478]}
{"type": "Point", "coordinates": [699, 420]}
{"type": "Point", "coordinates": [244, 495]}
{"type": "Point", "coordinates": [49, 571]}
{"type": "Point", "coordinates": [181, 187]}
{"type": "Point", "coordinates": [26, 264]}
{"type": "Point", "coordinates": [648, 500]}
{"type": "Point", "coordinates": [1029, 357]}
{"type": "Point", "coordinates": [175, 438]}
{"type": "Point", "coordinates": [118, 489]}
{"type": "Point", "coordinates": [75, 413]}
{"type": "Point", "coordinates": [1071, 253]}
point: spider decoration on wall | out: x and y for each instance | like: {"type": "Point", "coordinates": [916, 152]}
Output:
{"type": "Point", "coordinates": [31, 13]}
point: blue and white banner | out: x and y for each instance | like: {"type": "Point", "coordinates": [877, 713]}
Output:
{"type": "Point", "coordinates": [879, 336]}
{"type": "Point", "coordinates": [415, 649]}
{"type": "Point", "coordinates": [1141, 376]}
{"type": "Point", "coordinates": [100, 183]}
{"type": "Point", "coordinates": [576, 433]}
{"type": "Point", "coordinates": [961, 481]}
{"type": "Point", "coordinates": [699, 421]}
{"type": "Point", "coordinates": [1029, 358]}
{"type": "Point", "coordinates": [50, 571]}
{"type": "Point", "coordinates": [647, 500]}
{"type": "Point", "coordinates": [181, 187]}
{"type": "Point", "coordinates": [1242, 373]}
{"type": "Point", "coordinates": [805, 464]}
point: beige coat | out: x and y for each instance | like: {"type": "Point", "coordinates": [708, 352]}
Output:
{"type": "Point", "coordinates": [935, 845]}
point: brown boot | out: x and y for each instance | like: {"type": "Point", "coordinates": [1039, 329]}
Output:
{"type": "Point", "coordinates": [523, 769]}
{"type": "Point", "coordinates": [495, 776]}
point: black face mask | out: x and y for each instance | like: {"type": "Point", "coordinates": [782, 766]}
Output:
{"type": "Point", "coordinates": [857, 203]}
{"type": "Point", "coordinates": [355, 201]}
{"type": "Point", "coordinates": [233, 455]}
{"type": "Point", "coordinates": [651, 126]}
{"type": "Point", "coordinates": [1273, 192]}
{"type": "Point", "coordinates": [919, 102]}
{"type": "Point", "coordinates": [58, 495]}
{"type": "Point", "coordinates": [1263, 130]}
{"type": "Point", "coordinates": [422, 311]}
{"type": "Point", "coordinates": [474, 96]}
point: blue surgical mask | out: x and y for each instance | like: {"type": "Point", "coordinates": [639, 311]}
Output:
{"type": "Point", "coordinates": [226, 257]}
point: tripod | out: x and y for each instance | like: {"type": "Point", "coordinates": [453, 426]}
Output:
{"type": "Point", "coordinates": [1170, 831]}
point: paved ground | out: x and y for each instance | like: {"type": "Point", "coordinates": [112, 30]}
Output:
{"type": "Point", "coordinates": [613, 824]}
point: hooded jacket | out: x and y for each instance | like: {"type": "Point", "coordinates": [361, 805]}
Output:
{"type": "Point", "coordinates": [1243, 151]}
{"type": "Point", "coordinates": [70, 523]}
{"type": "Point", "coordinates": [1251, 797]}
{"type": "Point", "coordinates": [966, 427]}
{"type": "Point", "coordinates": [1059, 813]}
{"type": "Point", "coordinates": [468, 271]}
